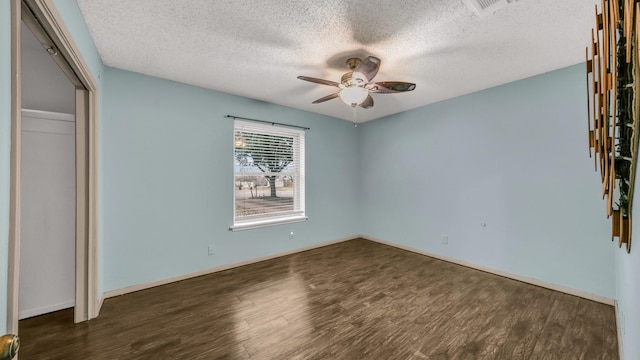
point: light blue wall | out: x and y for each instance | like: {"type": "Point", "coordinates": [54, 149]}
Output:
{"type": "Point", "coordinates": [167, 154]}
{"type": "Point", "coordinates": [512, 157]}
{"type": "Point", "coordinates": [5, 152]}
{"type": "Point", "coordinates": [74, 21]}
{"type": "Point", "coordinates": [628, 291]}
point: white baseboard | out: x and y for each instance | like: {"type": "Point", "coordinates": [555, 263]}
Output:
{"type": "Point", "coordinates": [619, 331]}
{"type": "Point", "coordinates": [27, 313]}
{"type": "Point", "coordinates": [525, 279]}
{"type": "Point", "coordinates": [134, 288]}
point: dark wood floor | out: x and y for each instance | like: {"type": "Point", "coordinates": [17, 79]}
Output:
{"type": "Point", "coordinates": [353, 300]}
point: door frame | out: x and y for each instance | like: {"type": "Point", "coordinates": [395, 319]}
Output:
{"type": "Point", "coordinates": [43, 18]}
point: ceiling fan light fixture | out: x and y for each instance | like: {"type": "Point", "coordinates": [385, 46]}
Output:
{"type": "Point", "coordinates": [353, 95]}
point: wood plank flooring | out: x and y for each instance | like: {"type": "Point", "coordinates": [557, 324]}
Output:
{"type": "Point", "coordinates": [352, 300]}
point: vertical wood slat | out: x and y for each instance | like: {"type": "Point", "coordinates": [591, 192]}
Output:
{"type": "Point", "coordinates": [598, 95]}
{"type": "Point", "coordinates": [589, 70]}
{"type": "Point", "coordinates": [603, 81]}
{"type": "Point", "coordinates": [628, 26]}
{"type": "Point", "coordinates": [624, 226]}
{"type": "Point", "coordinates": [605, 36]}
{"type": "Point", "coordinates": [615, 17]}
{"type": "Point", "coordinates": [594, 89]}
{"type": "Point", "coordinates": [615, 224]}
{"type": "Point", "coordinates": [614, 104]}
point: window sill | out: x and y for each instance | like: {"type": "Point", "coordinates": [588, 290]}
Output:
{"type": "Point", "coordinates": [248, 225]}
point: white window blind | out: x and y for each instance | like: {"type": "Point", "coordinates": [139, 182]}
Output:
{"type": "Point", "coordinates": [268, 175]}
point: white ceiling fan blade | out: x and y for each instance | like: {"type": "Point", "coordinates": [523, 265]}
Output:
{"type": "Point", "coordinates": [326, 98]}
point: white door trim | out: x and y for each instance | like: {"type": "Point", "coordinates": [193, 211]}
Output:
{"type": "Point", "coordinates": [70, 60]}
{"type": "Point", "coordinates": [14, 196]}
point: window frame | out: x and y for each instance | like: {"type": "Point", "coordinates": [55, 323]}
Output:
{"type": "Point", "coordinates": [299, 212]}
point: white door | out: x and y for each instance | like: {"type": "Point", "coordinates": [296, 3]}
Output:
{"type": "Point", "coordinates": [47, 244]}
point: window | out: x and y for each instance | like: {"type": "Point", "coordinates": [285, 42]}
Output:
{"type": "Point", "coordinates": [268, 175]}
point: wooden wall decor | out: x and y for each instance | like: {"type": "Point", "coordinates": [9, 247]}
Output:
{"type": "Point", "coordinates": [613, 80]}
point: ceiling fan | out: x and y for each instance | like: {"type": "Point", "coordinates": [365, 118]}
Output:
{"type": "Point", "coordinates": [356, 84]}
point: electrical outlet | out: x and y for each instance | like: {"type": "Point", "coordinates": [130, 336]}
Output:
{"type": "Point", "coordinates": [445, 239]}
{"type": "Point", "coordinates": [291, 235]}
{"type": "Point", "coordinates": [211, 250]}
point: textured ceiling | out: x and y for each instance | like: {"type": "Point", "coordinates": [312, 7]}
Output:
{"type": "Point", "coordinates": [256, 49]}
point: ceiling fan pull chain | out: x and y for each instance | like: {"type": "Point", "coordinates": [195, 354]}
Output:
{"type": "Point", "coordinates": [355, 117]}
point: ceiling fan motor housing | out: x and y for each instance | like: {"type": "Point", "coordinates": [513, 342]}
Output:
{"type": "Point", "coordinates": [353, 63]}
{"type": "Point", "coordinates": [349, 80]}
